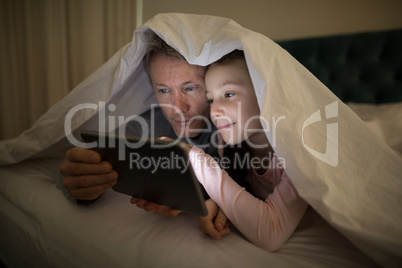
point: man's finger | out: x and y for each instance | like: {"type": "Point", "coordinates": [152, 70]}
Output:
{"type": "Point", "coordinates": [162, 210]}
{"type": "Point", "coordinates": [79, 182]}
{"type": "Point", "coordinates": [155, 208]}
{"type": "Point", "coordinates": [77, 169]}
{"type": "Point", "coordinates": [89, 193]}
{"type": "Point", "coordinates": [141, 203]}
{"type": "Point", "coordinates": [82, 155]}
{"type": "Point", "coordinates": [174, 212]}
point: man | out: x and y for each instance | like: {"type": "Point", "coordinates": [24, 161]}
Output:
{"type": "Point", "coordinates": [180, 90]}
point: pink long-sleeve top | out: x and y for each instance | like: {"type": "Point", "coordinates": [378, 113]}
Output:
{"type": "Point", "coordinates": [268, 221]}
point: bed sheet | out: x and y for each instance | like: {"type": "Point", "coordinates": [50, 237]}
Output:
{"type": "Point", "coordinates": [41, 228]}
{"type": "Point", "coordinates": [385, 120]}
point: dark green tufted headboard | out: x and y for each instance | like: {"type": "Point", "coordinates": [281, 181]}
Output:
{"type": "Point", "coordinates": [364, 67]}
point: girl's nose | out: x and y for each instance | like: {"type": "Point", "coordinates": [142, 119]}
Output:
{"type": "Point", "coordinates": [216, 110]}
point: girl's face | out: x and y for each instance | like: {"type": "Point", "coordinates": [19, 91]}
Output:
{"type": "Point", "coordinates": [234, 108]}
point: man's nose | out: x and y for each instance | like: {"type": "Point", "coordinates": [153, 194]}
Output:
{"type": "Point", "coordinates": [181, 103]}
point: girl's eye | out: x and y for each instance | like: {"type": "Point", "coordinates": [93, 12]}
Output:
{"type": "Point", "coordinates": [228, 95]}
{"type": "Point", "coordinates": [210, 101]}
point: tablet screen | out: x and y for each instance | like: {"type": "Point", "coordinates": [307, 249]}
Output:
{"type": "Point", "coordinates": [158, 171]}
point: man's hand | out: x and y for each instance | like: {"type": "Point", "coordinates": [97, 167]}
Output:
{"type": "Point", "coordinates": [215, 224]}
{"type": "Point", "coordinates": [86, 176]}
{"type": "Point", "coordinates": [155, 208]}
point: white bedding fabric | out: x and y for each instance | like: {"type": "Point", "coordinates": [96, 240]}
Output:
{"type": "Point", "coordinates": [360, 196]}
{"type": "Point", "coordinates": [385, 120]}
{"type": "Point", "coordinates": [40, 228]}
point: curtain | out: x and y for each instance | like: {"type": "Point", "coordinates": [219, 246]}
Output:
{"type": "Point", "coordinates": [47, 47]}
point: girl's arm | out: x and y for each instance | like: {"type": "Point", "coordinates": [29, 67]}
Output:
{"type": "Point", "coordinates": [269, 223]}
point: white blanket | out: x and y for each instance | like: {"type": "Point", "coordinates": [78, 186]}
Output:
{"type": "Point", "coordinates": [41, 228]}
{"type": "Point", "coordinates": [343, 170]}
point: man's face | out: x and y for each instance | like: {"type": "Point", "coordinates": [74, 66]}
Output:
{"type": "Point", "coordinates": [180, 90]}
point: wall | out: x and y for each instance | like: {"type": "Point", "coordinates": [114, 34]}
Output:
{"type": "Point", "coordinates": [287, 19]}
{"type": "Point", "coordinates": [47, 47]}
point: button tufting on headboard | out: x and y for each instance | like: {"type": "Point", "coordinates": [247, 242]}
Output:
{"type": "Point", "coordinates": [363, 67]}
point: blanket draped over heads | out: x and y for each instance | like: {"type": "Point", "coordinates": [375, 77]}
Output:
{"type": "Point", "coordinates": [348, 175]}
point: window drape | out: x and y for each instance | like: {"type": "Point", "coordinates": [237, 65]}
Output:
{"type": "Point", "coordinates": [48, 46]}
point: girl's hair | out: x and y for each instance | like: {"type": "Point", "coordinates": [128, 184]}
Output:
{"type": "Point", "coordinates": [158, 45]}
{"type": "Point", "coordinates": [231, 57]}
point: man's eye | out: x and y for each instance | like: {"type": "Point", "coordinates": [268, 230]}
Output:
{"type": "Point", "coordinates": [228, 95]}
{"type": "Point", "coordinates": [163, 90]}
{"type": "Point", "coordinates": [190, 88]}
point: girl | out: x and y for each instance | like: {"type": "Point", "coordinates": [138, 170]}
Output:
{"type": "Point", "coordinates": [268, 212]}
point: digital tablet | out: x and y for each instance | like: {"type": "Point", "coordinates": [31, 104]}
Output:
{"type": "Point", "coordinates": [158, 171]}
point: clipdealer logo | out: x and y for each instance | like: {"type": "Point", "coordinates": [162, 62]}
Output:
{"type": "Point", "coordinates": [330, 156]}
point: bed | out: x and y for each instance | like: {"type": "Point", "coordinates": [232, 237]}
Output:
{"type": "Point", "coordinates": [40, 227]}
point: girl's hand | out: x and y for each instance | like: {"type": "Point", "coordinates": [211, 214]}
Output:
{"type": "Point", "coordinates": [215, 224]}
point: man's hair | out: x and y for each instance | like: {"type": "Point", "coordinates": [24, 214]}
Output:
{"type": "Point", "coordinates": [158, 45]}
